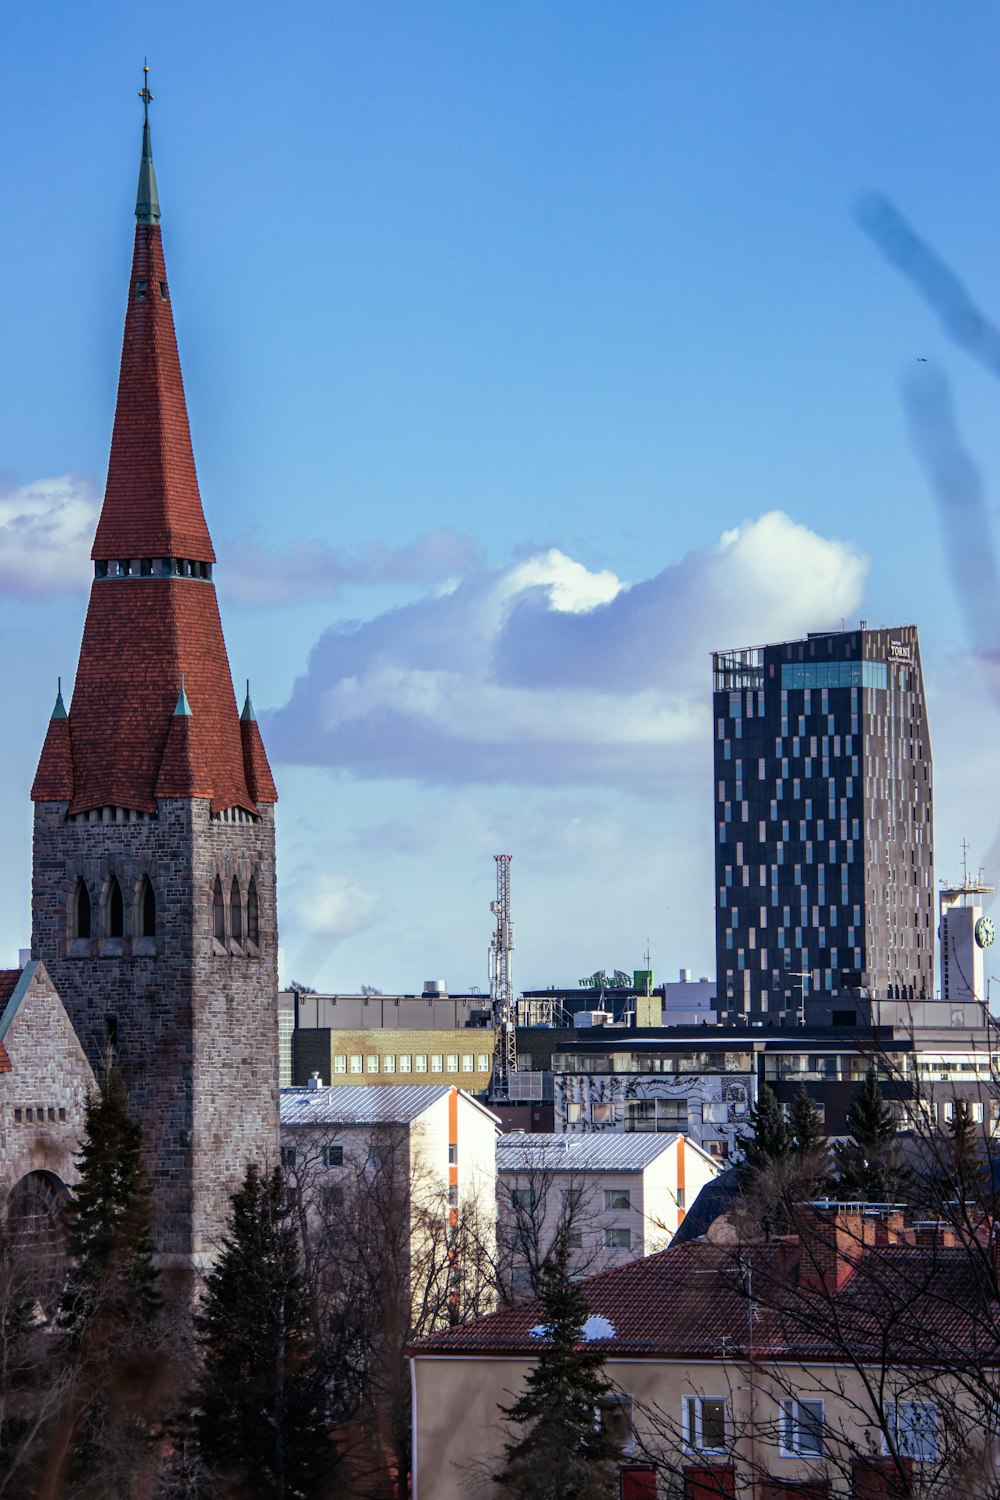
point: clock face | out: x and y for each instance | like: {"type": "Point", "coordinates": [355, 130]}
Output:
{"type": "Point", "coordinates": [985, 932]}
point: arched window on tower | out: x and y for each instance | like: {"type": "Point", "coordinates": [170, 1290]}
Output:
{"type": "Point", "coordinates": [219, 908]}
{"type": "Point", "coordinates": [253, 914]}
{"type": "Point", "coordinates": [80, 917]}
{"type": "Point", "coordinates": [236, 912]}
{"type": "Point", "coordinates": [116, 910]}
{"type": "Point", "coordinates": [147, 908]}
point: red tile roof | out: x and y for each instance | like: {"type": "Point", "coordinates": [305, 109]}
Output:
{"type": "Point", "coordinates": [260, 782]}
{"type": "Point", "coordinates": [54, 777]}
{"type": "Point", "coordinates": [916, 1304]}
{"type": "Point", "coordinates": [4, 1059]}
{"type": "Point", "coordinates": [8, 984]}
{"type": "Point", "coordinates": [140, 636]}
{"type": "Point", "coordinates": [152, 507]}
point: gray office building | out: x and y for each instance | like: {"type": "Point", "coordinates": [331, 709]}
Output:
{"type": "Point", "coordinates": [824, 849]}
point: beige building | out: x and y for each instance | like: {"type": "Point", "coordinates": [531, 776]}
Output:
{"type": "Point", "coordinates": [858, 1358]}
{"type": "Point", "coordinates": [455, 1058]}
{"type": "Point", "coordinates": [616, 1197]}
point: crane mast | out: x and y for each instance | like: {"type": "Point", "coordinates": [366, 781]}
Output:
{"type": "Point", "coordinates": [502, 984]}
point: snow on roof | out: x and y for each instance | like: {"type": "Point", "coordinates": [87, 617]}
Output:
{"type": "Point", "coordinates": [365, 1103]}
{"type": "Point", "coordinates": [584, 1152]}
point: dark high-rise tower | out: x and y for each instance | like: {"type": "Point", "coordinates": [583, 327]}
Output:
{"type": "Point", "coordinates": [153, 895]}
{"type": "Point", "coordinates": [823, 821]}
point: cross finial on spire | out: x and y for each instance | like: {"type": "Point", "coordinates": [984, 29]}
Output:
{"type": "Point", "coordinates": [144, 94]}
{"type": "Point", "coordinates": [147, 207]}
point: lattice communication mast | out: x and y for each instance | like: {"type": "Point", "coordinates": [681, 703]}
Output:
{"type": "Point", "coordinates": [502, 983]}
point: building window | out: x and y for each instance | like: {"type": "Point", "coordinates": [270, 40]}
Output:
{"type": "Point", "coordinates": [116, 910]}
{"type": "Point", "coordinates": [420, 1062]}
{"type": "Point", "coordinates": [801, 1429]}
{"type": "Point", "coordinates": [617, 1198]}
{"type": "Point", "coordinates": [914, 1429]}
{"type": "Point", "coordinates": [451, 1065]}
{"type": "Point", "coordinates": [615, 1414]}
{"type": "Point", "coordinates": [437, 1062]}
{"type": "Point", "coordinates": [468, 1062]}
{"type": "Point", "coordinates": [81, 911]}
{"type": "Point", "coordinates": [253, 914]}
{"type": "Point", "coordinates": [219, 911]}
{"type": "Point", "coordinates": [140, 291]}
{"type": "Point", "coordinates": [574, 1239]}
{"type": "Point", "coordinates": [405, 1062]}
{"type": "Point", "coordinates": [452, 1155]}
{"type": "Point", "coordinates": [522, 1198]}
{"type": "Point", "coordinates": [389, 1063]}
{"type": "Point", "coordinates": [333, 1156]}
{"type": "Point", "coordinates": [453, 1195]}
{"type": "Point", "coordinates": [340, 1064]}
{"type": "Point", "coordinates": [236, 912]}
{"type": "Point", "coordinates": [371, 1064]}
{"type": "Point", "coordinates": [357, 1063]}
{"type": "Point", "coordinates": [288, 1156]}
{"type": "Point", "coordinates": [705, 1424]}
{"type": "Point", "coordinates": [147, 908]}
{"type": "Point", "coordinates": [618, 1239]}
{"type": "Point", "coordinates": [483, 1062]}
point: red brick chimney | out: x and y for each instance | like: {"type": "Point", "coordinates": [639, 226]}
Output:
{"type": "Point", "coordinates": [832, 1240]}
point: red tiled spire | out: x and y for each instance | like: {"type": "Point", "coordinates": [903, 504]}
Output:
{"type": "Point", "coordinates": [259, 779]}
{"type": "Point", "coordinates": [150, 624]}
{"type": "Point", "coordinates": [54, 778]}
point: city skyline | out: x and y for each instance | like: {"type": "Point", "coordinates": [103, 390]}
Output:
{"type": "Point", "coordinates": [598, 371]}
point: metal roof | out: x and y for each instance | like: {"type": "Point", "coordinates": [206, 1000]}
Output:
{"type": "Point", "coordinates": [608, 1151]}
{"type": "Point", "coordinates": [365, 1103]}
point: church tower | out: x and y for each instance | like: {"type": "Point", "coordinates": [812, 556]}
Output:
{"type": "Point", "coordinates": [153, 890]}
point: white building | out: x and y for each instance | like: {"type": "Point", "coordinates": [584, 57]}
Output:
{"type": "Point", "coordinates": [616, 1196]}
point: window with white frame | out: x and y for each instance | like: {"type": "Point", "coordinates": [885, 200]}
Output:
{"type": "Point", "coordinates": [483, 1062]}
{"type": "Point", "coordinates": [340, 1064]}
{"type": "Point", "coordinates": [617, 1198]}
{"type": "Point", "coordinates": [468, 1062]}
{"type": "Point", "coordinates": [705, 1424]}
{"type": "Point", "coordinates": [405, 1062]}
{"type": "Point", "coordinates": [357, 1063]}
{"type": "Point", "coordinates": [618, 1239]}
{"type": "Point", "coordinates": [389, 1063]}
{"type": "Point", "coordinates": [451, 1062]}
{"type": "Point", "coordinates": [914, 1429]}
{"type": "Point", "coordinates": [372, 1063]}
{"type": "Point", "coordinates": [801, 1428]}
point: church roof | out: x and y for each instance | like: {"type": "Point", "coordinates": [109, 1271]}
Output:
{"type": "Point", "coordinates": [151, 621]}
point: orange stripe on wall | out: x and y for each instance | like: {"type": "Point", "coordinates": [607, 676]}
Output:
{"type": "Point", "coordinates": [453, 1141]}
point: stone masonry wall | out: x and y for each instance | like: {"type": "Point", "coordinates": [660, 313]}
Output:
{"type": "Point", "coordinates": [42, 1097]}
{"type": "Point", "coordinates": [193, 1021]}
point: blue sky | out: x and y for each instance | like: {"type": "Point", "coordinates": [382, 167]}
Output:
{"type": "Point", "coordinates": [531, 351]}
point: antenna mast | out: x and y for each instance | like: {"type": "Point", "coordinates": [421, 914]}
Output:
{"type": "Point", "coordinates": [502, 983]}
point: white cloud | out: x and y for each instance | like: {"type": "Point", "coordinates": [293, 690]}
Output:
{"type": "Point", "coordinates": [46, 532]}
{"type": "Point", "coordinates": [546, 672]}
{"type": "Point", "coordinates": [262, 578]}
{"type": "Point", "coordinates": [332, 906]}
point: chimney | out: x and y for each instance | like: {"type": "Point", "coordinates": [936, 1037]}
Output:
{"type": "Point", "coordinates": [315, 1081]}
{"type": "Point", "coordinates": [831, 1243]}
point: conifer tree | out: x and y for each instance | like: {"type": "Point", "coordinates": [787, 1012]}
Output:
{"type": "Point", "coordinates": [964, 1167]}
{"type": "Point", "coordinates": [867, 1167]}
{"type": "Point", "coordinates": [765, 1140]}
{"type": "Point", "coordinates": [259, 1420]}
{"type": "Point", "coordinates": [563, 1451]}
{"type": "Point", "coordinates": [112, 1356]}
{"type": "Point", "coordinates": [805, 1129]}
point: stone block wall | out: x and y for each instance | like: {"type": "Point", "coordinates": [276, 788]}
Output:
{"type": "Point", "coordinates": [192, 1022]}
